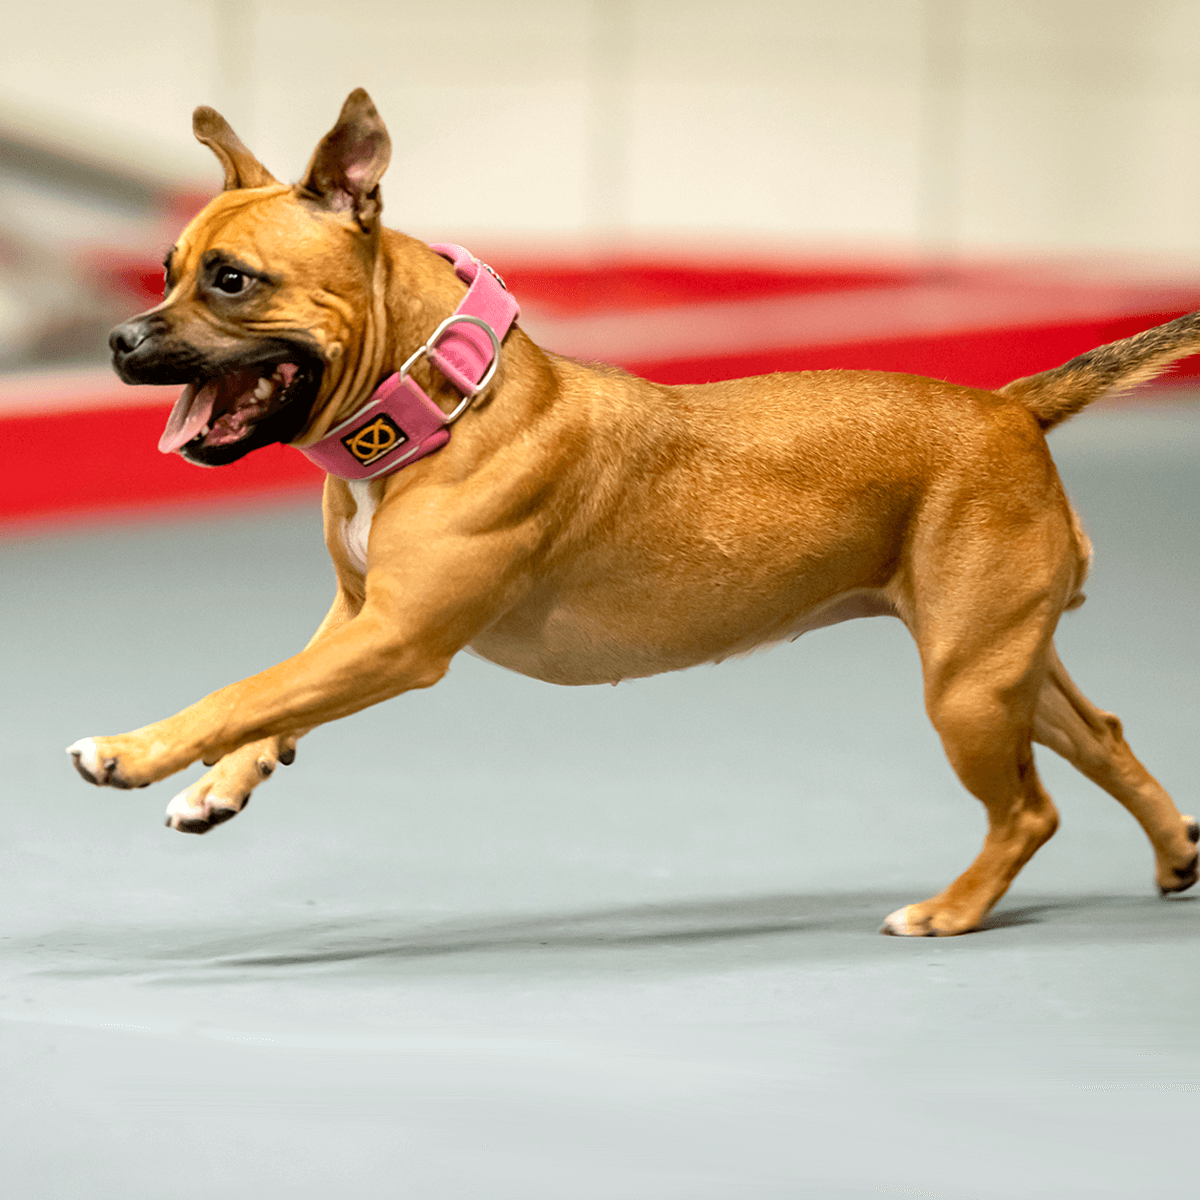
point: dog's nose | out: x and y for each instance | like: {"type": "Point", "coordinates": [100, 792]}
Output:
{"type": "Point", "coordinates": [126, 338]}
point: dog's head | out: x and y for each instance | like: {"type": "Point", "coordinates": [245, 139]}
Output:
{"type": "Point", "coordinates": [270, 309]}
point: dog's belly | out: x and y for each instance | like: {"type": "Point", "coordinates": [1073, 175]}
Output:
{"type": "Point", "coordinates": [578, 645]}
{"type": "Point", "coordinates": [686, 575]}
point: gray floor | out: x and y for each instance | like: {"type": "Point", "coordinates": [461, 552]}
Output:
{"type": "Point", "coordinates": [601, 944]}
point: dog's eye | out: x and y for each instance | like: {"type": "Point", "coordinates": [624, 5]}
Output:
{"type": "Point", "coordinates": [230, 281]}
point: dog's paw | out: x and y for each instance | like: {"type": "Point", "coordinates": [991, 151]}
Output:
{"type": "Point", "coordinates": [926, 920]}
{"type": "Point", "coordinates": [1181, 874]}
{"type": "Point", "coordinates": [896, 924]}
{"type": "Point", "coordinates": [198, 808]}
{"type": "Point", "coordinates": [908, 922]}
{"type": "Point", "coordinates": [97, 766]}
{"type": "Point", "coordinates": [224, 790]}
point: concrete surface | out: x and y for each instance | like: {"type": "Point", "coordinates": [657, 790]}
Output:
{"type": "Point", "coordinates": [601, 944]}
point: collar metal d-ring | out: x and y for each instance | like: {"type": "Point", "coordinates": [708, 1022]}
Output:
{"type": "Point", "coordinates": [425, 350]}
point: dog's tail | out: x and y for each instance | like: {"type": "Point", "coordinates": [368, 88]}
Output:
{"type": "Point", "coordinates": [1053, 396]}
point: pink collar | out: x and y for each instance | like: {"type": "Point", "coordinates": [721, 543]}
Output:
{"type": "Point", "coordinates": [400, 424]}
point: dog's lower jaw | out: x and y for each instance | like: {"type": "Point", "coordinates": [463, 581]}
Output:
{"type": "Point", "coordinates": [284, 425]}
{"type": "Point", "coordinates": [268, 386]}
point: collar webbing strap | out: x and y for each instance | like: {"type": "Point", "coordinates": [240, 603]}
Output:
{"type": "Point", "coordinates": [400, 424]}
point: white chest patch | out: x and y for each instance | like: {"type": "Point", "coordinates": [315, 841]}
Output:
{"type": "Point", "coordinates": [357, 530]}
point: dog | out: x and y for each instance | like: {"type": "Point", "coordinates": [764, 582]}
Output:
{"type": "Point", "coordinates": [583, 526]}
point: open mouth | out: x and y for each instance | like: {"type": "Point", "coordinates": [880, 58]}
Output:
{"type": "Point", "coordinates": [218, 420]}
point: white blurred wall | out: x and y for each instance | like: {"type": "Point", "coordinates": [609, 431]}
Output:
{"type": "Point", "coordinates": [1054, 125]}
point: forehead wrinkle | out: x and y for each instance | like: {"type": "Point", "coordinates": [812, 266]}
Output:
{"type": "Point", "coordinates": [215, 219]}
{"type": "Point", "coordinates": [313, 323]}
{"type": "Point", "coordinates": [268, 227]}
{"type": "Point", "coordinates": [331, 300]}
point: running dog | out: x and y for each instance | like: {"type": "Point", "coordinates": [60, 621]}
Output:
{"type": "Point", "coordinates": [584, 526]}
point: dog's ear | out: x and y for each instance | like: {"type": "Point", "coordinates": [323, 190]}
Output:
{"type": "Point", "coordinates": [346, 167]}
{"type": "Point", "coordinates": [242, 169]}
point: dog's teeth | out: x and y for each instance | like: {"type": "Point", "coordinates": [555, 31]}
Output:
{"type": "Point", "coordinates": [263, 388]}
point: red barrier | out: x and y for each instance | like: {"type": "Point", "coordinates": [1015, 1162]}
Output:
{"type": "Point", "coordinates": [85, 442]}
{"type": "Point", "coordinates": [986, 358]}
{"type": "Point", "coordinates": [71, 462]}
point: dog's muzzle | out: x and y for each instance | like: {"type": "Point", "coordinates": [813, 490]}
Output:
{"type": "Point", "coordinates": [136, 354]}
{"type": "Point", "coordinates": [236, 397]}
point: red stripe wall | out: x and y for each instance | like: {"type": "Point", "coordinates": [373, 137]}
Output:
{"type": "Point", "coordinates": [102, 455]}
{"type": "Point", "coordinates": [73, 462]}
{"type": "Point", "coordinates": [986, 358]}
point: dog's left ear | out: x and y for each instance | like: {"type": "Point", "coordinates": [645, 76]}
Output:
{"type": "Point", "coordinates": [346, 167]}
{"type": "Point", "coordinates": [242, 169]}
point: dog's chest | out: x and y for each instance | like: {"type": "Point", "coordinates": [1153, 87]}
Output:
{"type": "Point", "coordinates": [357, 530]}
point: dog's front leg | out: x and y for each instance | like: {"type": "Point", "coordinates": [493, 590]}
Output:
{"type": "Point", "coordinates": [223, 791]}
{"type": "Point", "coordinates": [364, 661]}
{"type": "Point", "coordinates": [413, 620]}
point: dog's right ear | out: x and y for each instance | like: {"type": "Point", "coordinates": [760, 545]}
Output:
{"type": "Point", "coordinates": [346, 167]}
{"type": "Point", "coordinates": [242, 169]}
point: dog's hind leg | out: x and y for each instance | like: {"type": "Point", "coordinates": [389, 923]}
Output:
{"type": "Point", "coordinates": [982, 606]}
{"type": "Point", "coordinates": [1092, 741]}
{"type": "Point", "coordinates": [984, 715]}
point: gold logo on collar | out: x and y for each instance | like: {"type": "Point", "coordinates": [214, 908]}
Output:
{"type": "Point", "coordinates": [371, 442]}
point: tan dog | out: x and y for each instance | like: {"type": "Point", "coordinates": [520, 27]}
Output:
{"type": "Point", "coordinates": [585, 526]}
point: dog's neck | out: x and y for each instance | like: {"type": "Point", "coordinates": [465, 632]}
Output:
{"type": "Point", "coordinates": [399, 423]}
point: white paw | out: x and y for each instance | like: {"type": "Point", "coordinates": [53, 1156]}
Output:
{"type": "Point", "coordinates": [198, 813]}
{"type": "Point", "coordinates": [896, 923]}
{"type": "Point", "coordinates": [87, 761]}
{"type": "Point", "coordinates": [181, 805]}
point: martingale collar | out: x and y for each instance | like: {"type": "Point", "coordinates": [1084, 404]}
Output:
{"type": "Point", "coordinates": [400, 424]}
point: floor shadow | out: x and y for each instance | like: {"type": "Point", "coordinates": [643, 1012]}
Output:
{"type": "Point", "coordinates": [783, 924]}
{"type": "Point", "coordinates": [695, 923]}
{"type": "Point", "coordinates": [1028, 914]}
{"type": "Point", "coordinates": [697, 926]}
{"type": "Point", "coordinates": [783, 927]}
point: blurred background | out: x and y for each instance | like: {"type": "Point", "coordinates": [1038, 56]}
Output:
{"type": "Point", "coordinates": [607, 942]}
{"type": "Point", "coordinates": [693, 188]}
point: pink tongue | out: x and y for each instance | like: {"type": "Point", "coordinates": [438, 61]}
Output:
{"type": "Point", "coordinates": [191, 413]}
